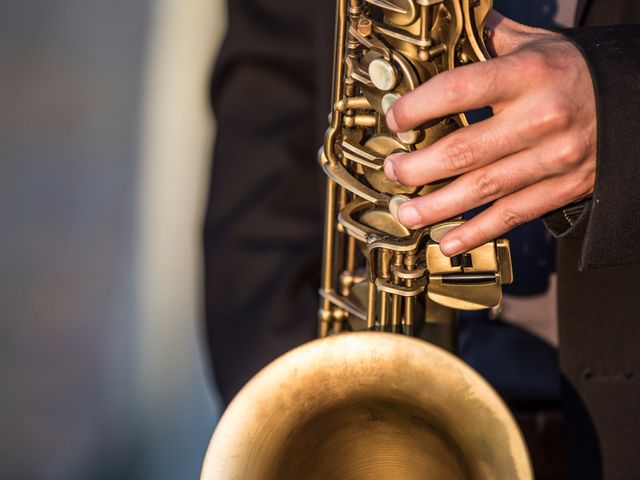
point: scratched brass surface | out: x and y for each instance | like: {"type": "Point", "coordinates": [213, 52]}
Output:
{"type": "Point", "coordinates": [367, 406]}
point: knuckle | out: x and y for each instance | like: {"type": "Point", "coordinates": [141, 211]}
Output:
{"type": "Point", "coordinates": [535, 61]}
{"type": "Point", "coordinates": [510, 218]}
{"type": "Point", "coordinates": [561, 114]}
{"type": "Point", "coordinates": [555, 114]}
{"type": "Point", "coordinates": [458, 156]}
{"type": "Point", "coordinates": [571, 153]}
{"type": "Point", "coordinates": [485, 186]}
{"type": "Point", "coordinates": [515, 62]}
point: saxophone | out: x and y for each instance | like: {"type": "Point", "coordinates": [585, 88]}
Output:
{"type": "Point", "coordinates": [378, 62]}
{"type": "Point", "coordinates": [377, 402]}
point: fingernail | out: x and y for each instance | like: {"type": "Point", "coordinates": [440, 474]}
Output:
{"type": "Point", "coordinates": [409, 216]}
{"type": "Point", "coordinates": [389, 169]}
{"type": "Point", "coordinates": [391, 120]}
{"type": "Point", "coordinates": [394, 205]}
{"type": "Point", "coordinates": [451, 247]}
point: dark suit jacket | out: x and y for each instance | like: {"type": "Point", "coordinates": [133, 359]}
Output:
{"type": "Point", "coordinates": [270, 93]}
{"type": "Point", "coordinates": [600, 306]}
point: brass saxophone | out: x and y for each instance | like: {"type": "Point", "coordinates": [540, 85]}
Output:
{"type": "Point", "coordinates": [369, 404]}
{"type": "Point", "coordinates": [378, 62]}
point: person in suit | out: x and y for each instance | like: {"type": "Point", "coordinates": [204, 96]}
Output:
{"type": "Point", "coordinates": [562, 144]}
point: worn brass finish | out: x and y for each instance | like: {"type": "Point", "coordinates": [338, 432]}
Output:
{"type": "Point", "coordinates": [370, 405]}
{"type": "Point", "coordinates": [367, 406]}
{"type": "Point", "coordinates": [402, 43]}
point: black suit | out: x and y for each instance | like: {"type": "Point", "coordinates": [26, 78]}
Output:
{"type": "Point", "coordinates": [270, 93]}
{"type": "Point", "coordinates": [600, 307]}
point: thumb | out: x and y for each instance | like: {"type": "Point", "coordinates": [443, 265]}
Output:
{"type": "Point", "coordinates": [504, 35]}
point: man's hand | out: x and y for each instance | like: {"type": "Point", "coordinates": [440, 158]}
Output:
{"type": "Point", "coordinates": [536, 154]}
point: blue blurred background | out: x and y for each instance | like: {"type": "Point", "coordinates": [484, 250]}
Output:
{"type": "Point", "coordinates": [105, 141]}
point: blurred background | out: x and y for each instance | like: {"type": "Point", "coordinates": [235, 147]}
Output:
{"type": "Point", "coordinates": [105, 141]}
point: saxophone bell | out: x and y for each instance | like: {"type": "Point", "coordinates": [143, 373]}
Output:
{"type": "Point", "coordinates": [367, 406]}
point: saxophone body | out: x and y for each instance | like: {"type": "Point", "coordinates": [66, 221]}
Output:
{"type": "Point", "coordinates": [368, 400]}
{"type": "Point", "coordinates": [378, 275]}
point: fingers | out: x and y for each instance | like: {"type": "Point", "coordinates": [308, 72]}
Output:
{"type": "Point", "coordinates": [462, 89]}
{"type": "Point", "coordinates": [465, 88]}
{"type": "Point", "coordinates": [510, 212]}
{"type": "Point", "coordinates": [474, 189]}
{"type": "Point", "coordinates": [462, 151]}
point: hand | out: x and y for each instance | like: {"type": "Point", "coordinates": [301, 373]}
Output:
{"type": "Point", "coordinates": [536, 154]}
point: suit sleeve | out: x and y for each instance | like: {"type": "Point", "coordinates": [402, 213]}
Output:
{"type": "Point", "coordinates": [262, 236]}
{"type": "Point", "coordinates": [609, 223]}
